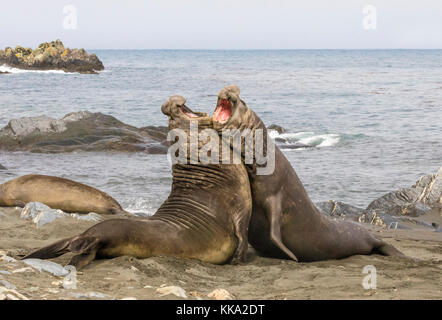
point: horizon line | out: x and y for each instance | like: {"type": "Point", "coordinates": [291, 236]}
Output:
{"type": "Point", "coordinates": [261, 49]}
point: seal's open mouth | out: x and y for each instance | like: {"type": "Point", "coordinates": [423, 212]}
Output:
{"type": "Point", "coordinates": [188, 112]}
{"type": "Point", "coordinates": [223, 111]}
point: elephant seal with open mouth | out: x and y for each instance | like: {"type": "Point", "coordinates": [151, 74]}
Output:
{"type": "Point", "coordinates": [205, 217]}
{"type": "Point", "coordinates": [57, 193]}
{"type": "Point", "coordinates": [285, 222]}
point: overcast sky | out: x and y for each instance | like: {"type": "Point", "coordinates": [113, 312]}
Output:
{"type": "Point", "coordinates": [222, 24]}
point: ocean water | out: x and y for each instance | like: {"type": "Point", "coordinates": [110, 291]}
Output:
{"type": "Point", "coordinates": [373, 117]}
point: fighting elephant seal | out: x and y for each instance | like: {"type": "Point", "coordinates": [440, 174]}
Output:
{"type": "Point", "coordinates": [205, 217]}
{"type": "Point", "coordinates": [57, 193]}
{"type": "Point", "coordinates": [285, 222]}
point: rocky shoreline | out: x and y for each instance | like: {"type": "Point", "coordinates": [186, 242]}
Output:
{"type": "Point", "coordinates": [170, 278]}
{"type": "Point", "coordinates": [408, 218]}
{"type": "Point", "coordinates": [88, 131]}
{"type": "Point", "coordinates": [416, 213]}
{"type": "Point", "coordinates": [419, 206]}
{"type": "Point", "coordinates": [81, 131]}
{"type": "Point", "coordinates": [51, 56]}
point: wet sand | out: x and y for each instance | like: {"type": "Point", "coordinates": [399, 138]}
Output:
{"type": "Point", "coordinates": [259, 278]}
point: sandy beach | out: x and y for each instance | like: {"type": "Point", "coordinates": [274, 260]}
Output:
{"type": "Point", "coordinates": [258, 278]}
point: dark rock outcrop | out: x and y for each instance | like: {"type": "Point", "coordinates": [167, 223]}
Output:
{"type": "Point", "coordinates": [4, 72]}
{"type": "Point", "coordinates": [424, 195]}
{"type": "Point", "coordinates": [2, 167]}
{"type": "Point", "coordinates": [396, 210]}
{"type": "Point", "coordinates": [51, 56]}
{"type": "Point", "coordinates": [80, 131]}
{"type": "Point", "coordinates": [277, 128]}
{"type": "Point", "coordinates": [343, 211]}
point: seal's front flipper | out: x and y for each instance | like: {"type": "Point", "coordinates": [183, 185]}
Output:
{"type": "Point", "coordinates": [241, 222]}
{"type": "Point", "coordinates": [88, 247]}
{"type": "Point", "coordinates": [274, 216]}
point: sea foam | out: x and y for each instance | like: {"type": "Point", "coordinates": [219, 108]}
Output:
{"type": "Point", "coordinates": [5, 68]}
{"type": "Point", "coordinates": [308, 138]}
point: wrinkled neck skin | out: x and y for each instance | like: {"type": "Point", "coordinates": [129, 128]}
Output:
{"type": "Point", "coordinates": [199, 191]}
{"type": "Point", "coordinates": [197, 175]}
{"type": "Point", "coordinates": [283, 181]}
{"type": "Point", "coordinates": [247, 123]}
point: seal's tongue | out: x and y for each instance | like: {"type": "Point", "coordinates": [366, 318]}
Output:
{"type": "Point", "coordinates": [223, 111]}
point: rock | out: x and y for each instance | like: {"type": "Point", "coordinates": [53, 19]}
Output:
{"type": "Point", "coordinates": [381, 220]}
{"type": "Point", "coordinates": [220, 294]}
{"type": "Point", "coordinates": [70, 281]}
{"type": "Point", "coordinates": [277, 128]}
{"type": "Point", "coordinates": [21, 270]}
{"type": "Point", "coordinates": [340, 210]}
{"type": "Point", "coordinates": [4, 257]}
{"type": "Point", "coordinates": [2, 167]}
{"type": "Point", "coordinates": [4, 72]}
{"type": "Point", "coordinates": [40, 213]}
{"type": "Point", "coordinates": [91, 294]}
{"type": "Point", "coordinates": [394, 210]}
{"type": "Point", "coordinates": [177, 291]}
{"type": "Point", "coordinates": [51, 56]}
{"type": "Point", "coordinates": [7, 284]}
{"type": "Point", "coordinates": [42, 124]}
{"type": "Point", "coordinates": [92, 216]}
{"type": "Point", "coordinates": [48, 266]}
{"type": "Point", "coordinates": [284, 144]}
{"type": "Point", "coordinates": [415, 201]}
{"type": "Point", "coordinates": [158, 133]}
{"type": "Point", "coordinates": [11, 294]}
{"type": "Point", "coordinates": [80, 131]}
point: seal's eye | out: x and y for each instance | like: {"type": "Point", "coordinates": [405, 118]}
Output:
{"type": "Point", "coordinates": [223, 110]}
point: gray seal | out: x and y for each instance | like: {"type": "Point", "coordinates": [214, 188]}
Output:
{"type": "Point", "coordinates": [57, 193]}
{"type": "Point", "coordinates": [285, 222]}
{"type": "Point", "coordinates": [205, 217]}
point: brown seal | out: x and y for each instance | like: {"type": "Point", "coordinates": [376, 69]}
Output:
{"type": "Point", "coordinates": [57, 193]}
{"type": "Point", "coordinates": [285, 222]}
{"type": "Point", "coordinates": [205, 217]}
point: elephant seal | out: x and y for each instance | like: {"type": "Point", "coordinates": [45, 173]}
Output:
{"type": "Point", "coordinates": [285, 222]}
{"type": "Point", "coordinates": [57, 193]}
{"type": "Point", "coordinates": [205, 217]}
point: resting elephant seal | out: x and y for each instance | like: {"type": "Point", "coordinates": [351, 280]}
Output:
{"type": "Point", "coordinates": [285, 222]}
{"type": "Point", "coordinates": [57, 193]}
{"type": "Point", "coordinates": [205, 217]}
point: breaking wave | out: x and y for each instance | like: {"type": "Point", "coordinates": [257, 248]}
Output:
{"type": "Point", "coordinates": [140, 207]}
{"type": "Point", "coordinates": [304, 139]}
{"type": "Point", "coordinates": [5, 68]}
